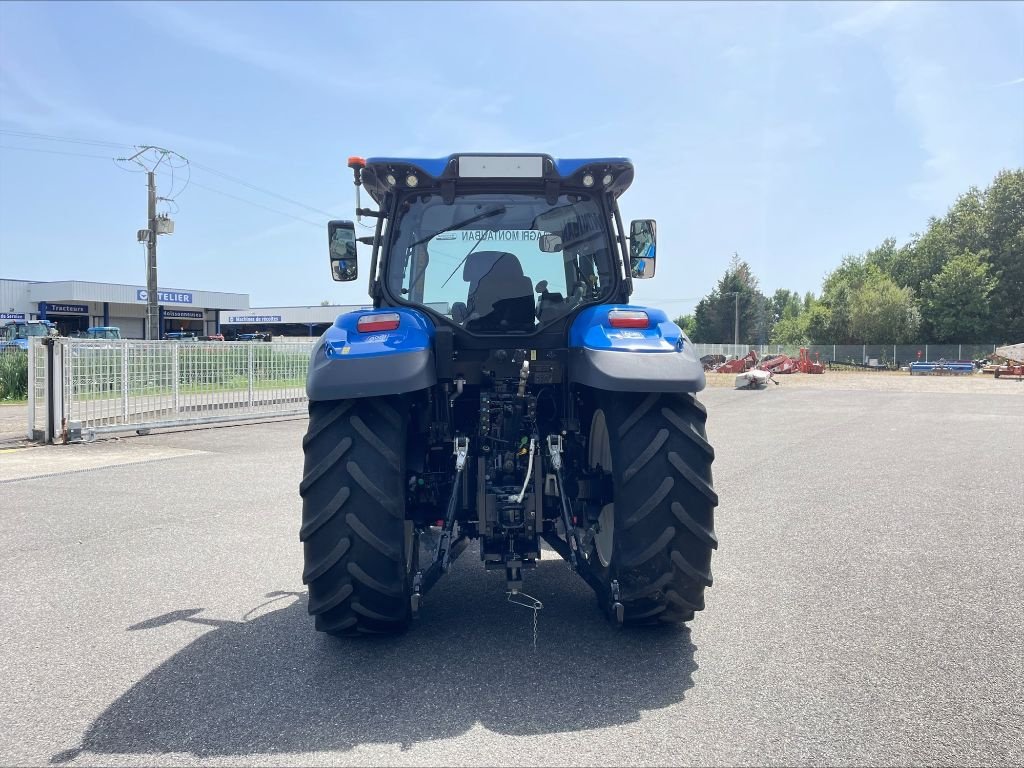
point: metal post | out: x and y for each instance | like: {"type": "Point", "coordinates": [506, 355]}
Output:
{"type": "Point", "coordinates": [56, 393]}
{"type": "Point", "coordinates": [31, 386]}
{"type": "Point", "coordinates": [833, 352]}
{"type": "Point", "coordinates": [959, 351]}
{"type": "Point", "coordinates": [124, 382]}
{"type": "Point", "coordinates": [251, 345]}
{"type": "Point", "coordinates": [926, 353]}
{"type": "Point", "coordinates": [175, 363]}
{"type": "Point", "coordinates": [152, 312]}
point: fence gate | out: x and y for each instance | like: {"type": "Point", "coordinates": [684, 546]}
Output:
{"type": "Point", "coordinates": [79, 388]}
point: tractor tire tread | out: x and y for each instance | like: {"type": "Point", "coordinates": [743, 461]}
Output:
{"type": "Point", "coordinates": [664, 506]}
{"type": "Point", "coordinates": [353, 516]}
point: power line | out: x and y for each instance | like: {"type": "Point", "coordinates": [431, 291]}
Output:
{"type": "Point", "coordinates": [67, 139]}
{"type": "Point", "coordinates": [201, 166]}
{"type": "Point", "coordinates": [250, 202]}
{"type": "Point", "coordinates": [55, 152]}
{"type": "Point", "coordinates": [164, 173]}
{"type": "Point", "coordinates": [235, 179]}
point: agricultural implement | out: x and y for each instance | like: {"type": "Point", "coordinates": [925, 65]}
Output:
{"type": "Point", "coordinates": [1013, 362]}
{"type": "Point", "coordinates": [778, 364]}
{"type": "Point", "coordinates": [806, 365]}
{"type": "Point", "coordinates": [943, 368]}
{"type": "Point", "coordinates": [755, 378]}
{"type": "Point", "coordinates": [740, 364]}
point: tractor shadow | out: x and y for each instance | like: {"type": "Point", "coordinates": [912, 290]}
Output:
{"type": "Point", "coordinates": [270, 684]}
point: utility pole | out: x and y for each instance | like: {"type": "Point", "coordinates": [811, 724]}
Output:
{"type": "Point", "coordinates": [735, 328]}
{"type": "Point", "coordinates": [149, 159]}
{"type": "Point", "coordinates": [736, 324]}
{"type": "Point", "coordinates": [153, 329]}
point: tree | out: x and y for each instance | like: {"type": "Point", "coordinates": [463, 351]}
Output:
{"type": "Point", "coordinates": [714, 317]}
{"type": "Point", "coordinates": [791, 330]}
{"type": "Point", "coordinates": [687, 323]}
{"type": "Point", "coordinates": [784, 304]}
{"type": "Point", "coordinates": [1004, 225]}
{"type": "Point", "coordinates": [881, 312]}
{"type": "Point", "coordinates": [838, 291]}
{"type": "Point", "coordinates": [325, 303]}
{"type": "Point", "coordinates": [956, 306]}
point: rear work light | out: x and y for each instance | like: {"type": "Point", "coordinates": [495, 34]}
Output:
{"type": "Point", "coordinates": [628, 318]}
{"type": "Point", "coordinates": [384, 322]}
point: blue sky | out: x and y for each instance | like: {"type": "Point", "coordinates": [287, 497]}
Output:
{"type": "Point", "coordinates": [792, 134]}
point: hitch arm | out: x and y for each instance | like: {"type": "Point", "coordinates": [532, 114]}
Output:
{"type": "Point", "coordinates": [447, 550]}
{"type": "Point", "coordinates": [572, 535]}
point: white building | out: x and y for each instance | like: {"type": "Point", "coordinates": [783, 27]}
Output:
{"type": "Point", "coordinates": [284, 321]}
{"type": "Point", "coordinates": [290, 321]}
{"type": "Point", "coordinates": [75, 305]}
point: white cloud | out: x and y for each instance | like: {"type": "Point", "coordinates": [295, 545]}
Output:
{"type": "Point", "coordinates": [39, 105]}
{"type": "Point", "coordinates": [866, 18]}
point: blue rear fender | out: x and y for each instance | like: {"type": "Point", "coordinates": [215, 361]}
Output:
{"type": "Point", "coordinates": [348, 363]}
{"type": "Point", "coordinates": [658, 358]}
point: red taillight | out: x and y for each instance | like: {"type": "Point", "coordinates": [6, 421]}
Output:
{"type": "Point", "coordinates": [356, 162]}
{"type": "Point", "coordinates": [628, 318]}
{"type": "Point", "coordinates": [373, 323]}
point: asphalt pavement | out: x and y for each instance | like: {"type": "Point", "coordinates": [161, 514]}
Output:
{"type": "Point", "coordinates": [868, 609]}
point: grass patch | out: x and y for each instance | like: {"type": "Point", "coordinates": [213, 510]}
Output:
{"type": "Point", "coordinates": [13, 375]}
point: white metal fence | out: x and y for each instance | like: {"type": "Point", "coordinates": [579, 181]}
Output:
{"type": "Point", "coordinates": [892, 355]}
{"type": "Point", "coordinates": [82, 387]}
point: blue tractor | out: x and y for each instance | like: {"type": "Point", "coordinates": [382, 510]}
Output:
{"type": "Point", "coordinates": [16, 334]}
{"type": "Point", "coordinates": [502, 389]}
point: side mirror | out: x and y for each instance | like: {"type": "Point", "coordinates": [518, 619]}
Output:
{"type": "Point", "coordinates": [643, 239]}
{"type": "Point", "coordinates": [341, 236]}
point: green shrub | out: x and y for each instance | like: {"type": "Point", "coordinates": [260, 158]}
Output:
{"type": "Point", "coordinates": [13, 374]}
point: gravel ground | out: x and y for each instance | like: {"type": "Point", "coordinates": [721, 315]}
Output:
{"type": "Point", "coordinates": [868, 609]}
{"type": "Point", "coordinates": [886, 381]}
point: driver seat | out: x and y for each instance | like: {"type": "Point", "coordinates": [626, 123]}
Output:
{"type": "Point", "coordinates": [501, 297]}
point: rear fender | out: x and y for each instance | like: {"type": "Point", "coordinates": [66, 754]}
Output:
{"type": "Point", "coordinates": [347, 364]}
{"type": "Point", "coordinates": [659, 358]}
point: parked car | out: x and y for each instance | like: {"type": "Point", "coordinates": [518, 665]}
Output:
{"type": "Point", "coordinates": [180, 336]}
{"type": "Point", "coordinates": [213, 337]}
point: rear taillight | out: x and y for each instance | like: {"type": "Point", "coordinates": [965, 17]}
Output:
{"type": "Point", "coordinates": [372, 323]}
{"type": "Point", "coordinates": [628, 318]}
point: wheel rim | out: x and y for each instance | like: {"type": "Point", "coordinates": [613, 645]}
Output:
{"type": "Point", "coordinates": [600, 455]}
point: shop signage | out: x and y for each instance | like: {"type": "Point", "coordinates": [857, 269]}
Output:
{"type": "Point", "coordinates": [165, 297]}
{"type": "Point", "coordinates": [65, 309]}
{"type": "Point", "coordinates": [254, 319]}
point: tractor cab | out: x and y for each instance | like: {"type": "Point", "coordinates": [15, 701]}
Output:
{"type": "Point", "coordinates": [18, 333]}
{"type": "Point", "coordinates": [496, 244]}
{"type": "Point", "coordinates": [108, 332]}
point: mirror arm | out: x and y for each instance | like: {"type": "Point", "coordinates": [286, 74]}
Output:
{"type": "Point", "coordinates": [368, 212]}
{"type": "Point", "coordinates": [624, 251]}
{"type": "Point", "coordinates": [365, 240]}
{"type": "Point", "coordinates": [373, 288]}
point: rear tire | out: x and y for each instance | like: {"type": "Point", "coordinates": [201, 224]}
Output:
{"type": "Point", "coordinates": [354, 534]}
{"type": "Point", "coordinates": [663, 507]}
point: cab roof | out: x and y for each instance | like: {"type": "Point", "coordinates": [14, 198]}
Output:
{"type": "Point", "coordinates": [504, 170]}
